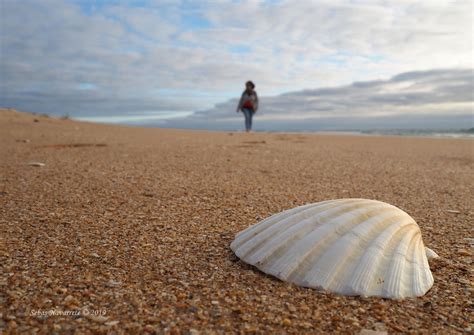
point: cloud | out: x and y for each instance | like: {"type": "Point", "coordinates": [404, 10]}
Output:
{"type": "Point", "coordinates": [95, 58]}
{"type": "Point", "coordinates": [436, 98]}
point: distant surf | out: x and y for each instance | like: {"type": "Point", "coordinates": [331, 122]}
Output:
{"type": "Point", "coordinates": [450, 133]}
{"type": "Point", "coordinates": [153, 122]}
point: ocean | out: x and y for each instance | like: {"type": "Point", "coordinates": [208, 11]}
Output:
{"type": "Point", "coordinates": [416, 132]}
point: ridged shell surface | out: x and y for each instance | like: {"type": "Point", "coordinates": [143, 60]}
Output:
{"type": "Point", "coordinates": [346, 246]}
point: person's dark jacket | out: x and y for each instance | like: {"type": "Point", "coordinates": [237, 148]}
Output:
{"type": "Point", "coordinates": [248, 100]}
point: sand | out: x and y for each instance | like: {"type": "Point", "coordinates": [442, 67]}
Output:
{"type": "Point", "coordinates": [127, 229]}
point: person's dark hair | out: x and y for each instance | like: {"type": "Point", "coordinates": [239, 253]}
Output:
{"type": "Point", "coordinates": [250, 83]}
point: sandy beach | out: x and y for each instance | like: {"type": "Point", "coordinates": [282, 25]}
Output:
{"type": "Point", "coordinates": [131, 227]}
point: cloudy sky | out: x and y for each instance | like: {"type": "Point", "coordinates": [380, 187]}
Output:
{"type": "Point", "coordinates": [330, 63]}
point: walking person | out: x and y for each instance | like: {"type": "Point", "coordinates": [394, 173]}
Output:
{"type": "Point", "coordinates": [248, 104]}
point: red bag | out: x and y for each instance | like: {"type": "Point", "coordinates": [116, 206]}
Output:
{"type": "Point", "coordinates": [248, 104]}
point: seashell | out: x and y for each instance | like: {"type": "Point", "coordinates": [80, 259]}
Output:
{"type": "Point", "coordinates": [346, 246]}
{"type": "Point", "coordinates": [430, 254]}
{"type": "Point", "coordinates": [36, 164]}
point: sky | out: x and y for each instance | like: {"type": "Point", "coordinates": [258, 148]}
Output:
{"type": "Point", "coordinates": [321, 64]}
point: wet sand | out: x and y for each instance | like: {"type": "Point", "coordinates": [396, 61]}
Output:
{"type": "Point", "coordinates": [129, 228]}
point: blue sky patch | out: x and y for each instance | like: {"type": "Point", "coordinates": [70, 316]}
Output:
{"type": "Point", "coordinates": [240, 49]}
{"type": "Point", "coordinates": [87, 86]}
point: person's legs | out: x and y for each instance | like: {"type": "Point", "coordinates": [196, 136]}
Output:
{"type": "Point", "coordinates": [248, 119]}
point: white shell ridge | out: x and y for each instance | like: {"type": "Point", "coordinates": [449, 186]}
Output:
{"type": "Point", "coordinates": [346, 246]}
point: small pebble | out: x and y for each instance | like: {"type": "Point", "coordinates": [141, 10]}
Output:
{"type": "Point", "coordinates": [372, 332]}
{"type": "Point", "coordinates": [452, 211]}
{"type": "Point", "coordinates": [464, 252]}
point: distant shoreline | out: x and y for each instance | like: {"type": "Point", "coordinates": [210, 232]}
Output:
{"type": "Point", "coordinates": [426, 133]}
{"type": "Point", "coordinates": [448, 133]}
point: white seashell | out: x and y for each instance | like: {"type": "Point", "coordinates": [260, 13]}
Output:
{"type": "Point", "coordinates": [346, 246]}
{"type": "Point", "coordinates": [430, 254]}
{"type": "Point", "coordinates": [36, 164]}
